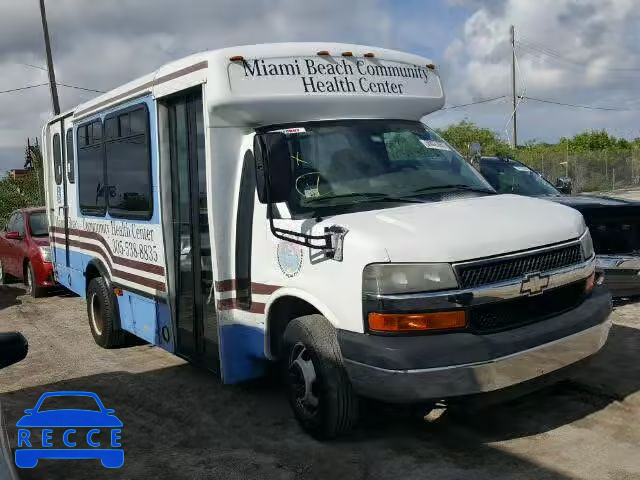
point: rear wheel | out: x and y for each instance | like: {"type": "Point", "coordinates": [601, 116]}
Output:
{"type": "Point", "coordinates": [103, 315]}
{"type": "Point", "coordinates": [32, 286]}
{"type": "Point", "coordinates": [318, 387]}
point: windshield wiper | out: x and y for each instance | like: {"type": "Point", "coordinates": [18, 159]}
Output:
{"type": "Point", "coordinates": [369, 196]}
{"type": "Point", "coordinates": [454, 186]}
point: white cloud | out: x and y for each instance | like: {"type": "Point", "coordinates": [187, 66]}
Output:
{"type": "Point", "coordinates": [104, 44]}
{"type": "Point", "coordinates": [599, 38]}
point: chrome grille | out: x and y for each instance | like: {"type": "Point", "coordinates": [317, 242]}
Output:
{"type": "Point", "coordinates": [501, 269]}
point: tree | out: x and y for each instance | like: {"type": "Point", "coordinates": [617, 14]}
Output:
{"type": "Point", "coordinates": [461, 135]}
{"type": "Point", "coordinates": [23, 191]}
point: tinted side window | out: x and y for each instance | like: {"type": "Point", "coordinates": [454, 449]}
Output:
{"type": "Point", "coordinates": [19, 224]}
{"type": "Point", "coordinates": [91, 169]}
{"type": "Point", "coordinates": [57, 159]}
{"type": "Point", "coordinates": [71, 168]}
{"type": "Point", "coordinates": [11, 223]}
{"type": "Point", "coordinates": [128, 158]}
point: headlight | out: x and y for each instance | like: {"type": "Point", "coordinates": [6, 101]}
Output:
{"type": "Point", "coordinates": [587, 245]}
{"type": "Point", "coordinates": [46, 253]}
{"type": "Point", "coordinates": [392, 278]}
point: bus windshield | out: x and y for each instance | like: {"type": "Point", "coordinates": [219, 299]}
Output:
{"type": "Point", "coordinates": [508, 176]}
{"type": "Point", "coordinates": [357, 164]}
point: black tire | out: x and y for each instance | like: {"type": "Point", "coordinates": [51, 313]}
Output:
{"type": "Point", "coordinates": [313, 339]}
{"type": "Point", "coordinates": [5, 278]}
{"type": "Point", "coordinates": [30, 281]}
{"type": "Point", "coordinates": [102, 312]}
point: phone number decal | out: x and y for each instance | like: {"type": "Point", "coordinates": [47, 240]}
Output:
{"type": "Point", "coordinates": [138, 251]}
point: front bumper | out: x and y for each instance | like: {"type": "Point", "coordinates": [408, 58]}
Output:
{"type": "Point", "coordinates": [44, 273]}
{"type": "Point", "coordinates": [433, 367]}
{"type": "Point", "coordinates": [621, 274]}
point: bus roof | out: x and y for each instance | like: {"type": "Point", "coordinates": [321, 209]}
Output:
{"type": "Point", "coordinates": [289, 82]}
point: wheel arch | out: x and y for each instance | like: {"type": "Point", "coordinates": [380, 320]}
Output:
{"type": "Point", "coordinates": [285, 305]}
{"type": "Point", "coordinates": [95, 268]}
{"type": "Point", "coordinates": [25, 264]}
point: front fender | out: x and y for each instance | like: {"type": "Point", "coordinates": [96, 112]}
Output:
{"type": "Point", "coordinates": [302, 295]}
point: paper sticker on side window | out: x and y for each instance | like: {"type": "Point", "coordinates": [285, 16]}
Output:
{"type": "Point", "coordinates": [434, 144]}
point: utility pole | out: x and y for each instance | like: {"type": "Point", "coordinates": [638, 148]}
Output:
{"type": "Point", "coordinates": [50, 71]}
{"type": "Point", "coordinates": [513, 86]}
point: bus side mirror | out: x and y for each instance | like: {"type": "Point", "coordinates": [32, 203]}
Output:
{"type": "Point", "coordinates": [274, 169]}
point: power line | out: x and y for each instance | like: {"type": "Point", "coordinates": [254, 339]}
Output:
{"type": "Point", "coordinates": [590, 107]}
{"type": "Point", "coordinates": [486, 100]}
{"type": "Point", "coordinates": [32, 66]}
{"type": "Point", "coordinates": [80, 88]}
{"type": "Point", "coordinates": [534, 47]}
{"type": "Point", "coordinates": [24, 88]}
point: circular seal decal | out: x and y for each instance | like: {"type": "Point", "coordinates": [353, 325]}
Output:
{"type": "Point", "coordinates": [289, 258]}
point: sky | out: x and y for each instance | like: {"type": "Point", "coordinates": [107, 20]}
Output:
{"type": "Point", "coordinates": [584, 52]}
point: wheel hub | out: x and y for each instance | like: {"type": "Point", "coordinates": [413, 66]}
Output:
{"type": "Point", "coordinates": [302, 375]}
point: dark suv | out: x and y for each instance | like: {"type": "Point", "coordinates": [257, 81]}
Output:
{"type": "Point", "coordinates": [614, 223]}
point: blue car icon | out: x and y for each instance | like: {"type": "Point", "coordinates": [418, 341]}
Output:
{"type": "Point", "coordinates": [69, 419]}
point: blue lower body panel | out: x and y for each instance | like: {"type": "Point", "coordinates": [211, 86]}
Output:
{"type": "Point", "coordinates": [241, 353]}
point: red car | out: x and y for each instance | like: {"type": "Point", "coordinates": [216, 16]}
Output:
{"type": "Point", "coordinates": [24, 250]}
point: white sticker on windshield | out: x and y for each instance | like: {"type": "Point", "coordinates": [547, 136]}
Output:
{"type": "Point", "coordinates": [311, 192]}
{"type": "Point", "coordinates": [289, 131]}
{"type": "Point", "coordinates": [434, 144]}
{"type": "Point", "coordinates": [522, 169]}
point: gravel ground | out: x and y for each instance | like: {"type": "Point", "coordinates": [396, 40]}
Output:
{"type": "Point", "coordinates": [180, 422]}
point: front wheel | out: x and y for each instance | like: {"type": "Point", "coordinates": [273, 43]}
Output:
{"type": "Point", "coordinates": [4, 276]}
{"type": "Point", "coordinates": [317, 384]}
{"type": "Point", "coordinates": [32, 286]}
{"type": "Point", "coordinates": [103, 315]}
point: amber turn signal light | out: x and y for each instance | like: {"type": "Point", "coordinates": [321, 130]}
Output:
{"type": "Point", "coordinates": [323, 53]}
{"type": "Point", "coordinates": [415, 322]}
{"type": "Point", "coordinates": [236, 58]}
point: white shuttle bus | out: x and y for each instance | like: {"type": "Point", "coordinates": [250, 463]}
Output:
{"type": "Point", "coordinates": [284, 203]}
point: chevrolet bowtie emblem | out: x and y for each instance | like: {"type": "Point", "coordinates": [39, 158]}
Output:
{"type": "Point", "coordinates": [534, 284]}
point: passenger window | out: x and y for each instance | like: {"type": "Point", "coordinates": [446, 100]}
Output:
{"type": "Point", "coordinates": [128, 158]}
{"type": "Point", "coordinates": [110, 128]}
{"type": "Point", "coordinates": [123, 122]}
{"type": "Point", "coordinates": [91, 170]}
{"type": "Point", "coordinates": [18, 224]}
{"type": "Point", "coordinates": [71, 174]}
{"type": "Point", "coordinates": [57, 159]}
{"type": "Point", "coordinates": [11, 224]}
{"type": "Point", "coordinates": [82, 136]}
{"type": "Point", "coordinates": [96, 137]}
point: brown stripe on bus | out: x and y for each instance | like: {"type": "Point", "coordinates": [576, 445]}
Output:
{"type": "Point", "coordinates": [125, 262]}
{"type": "Point", "coordinates": [235, 284]}
{"type": "Point", "coordinates": [232, 304]}
{"type": "Point", "coordinates": [131, 277]}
